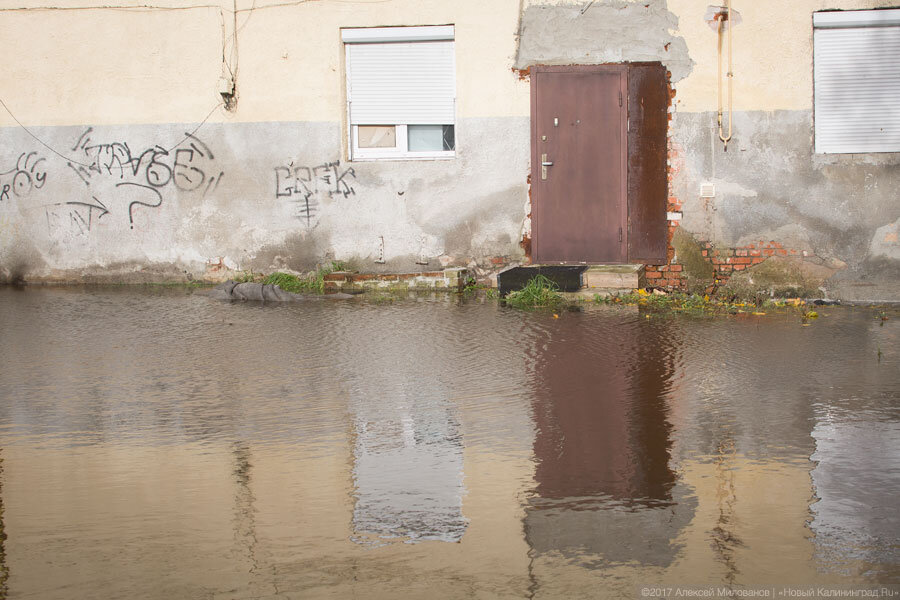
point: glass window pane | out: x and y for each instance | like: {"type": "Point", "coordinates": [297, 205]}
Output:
{"type": "Point", "coordinates": [425, 138]}
{"type": "Point", "coordinates": [377, 136]}
{"type": "Point", "coordinates": [449, 138]}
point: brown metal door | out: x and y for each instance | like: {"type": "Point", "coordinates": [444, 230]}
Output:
{"type": "Point", "coordinates": [648, 121]}
{"type": "Point", "coordinates": [578, 175]}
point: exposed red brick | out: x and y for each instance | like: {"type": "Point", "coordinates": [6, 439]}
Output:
{"type": "Point", "coordinates": [497, 260]}
{"type": "Point", "coordinates": [676, 267]}
{"type": "Point", "coordinates": [740, 267]}
{"type": "Point", "coordinates": [769, 252]}
{"type": "Point", "coordinates": [782, 252]}
{"type": "Point", "coordinates": [652, 274]}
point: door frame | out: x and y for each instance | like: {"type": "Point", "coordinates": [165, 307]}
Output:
{"type": "Point", "coordinates": [622, 70]}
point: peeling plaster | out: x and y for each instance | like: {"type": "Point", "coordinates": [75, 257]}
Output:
{"type": "Point", "coordinates": [886, 242]}
{"type": "Point", "coordinates": [612, 31]}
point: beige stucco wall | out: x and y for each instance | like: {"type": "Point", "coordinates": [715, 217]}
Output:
{"type": "Point", "coordinates": [772, 53]}
{"type": "Point", "coordinates": [163, 65]}
{"type": "Point", "coordinates": [68, 67]}
{"type": "Point", "coordinates": [140, 66]}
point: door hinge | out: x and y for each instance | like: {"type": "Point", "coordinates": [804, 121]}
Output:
{"type": "Point", "coordinates": [620, 97]}
{"type": "Point", "coordinates": [620, 235]}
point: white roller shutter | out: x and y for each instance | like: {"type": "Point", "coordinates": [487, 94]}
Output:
{"type": "Point", "coordinates": [401, 83]}
{"type": "Point", "coordinates": [857, 81]}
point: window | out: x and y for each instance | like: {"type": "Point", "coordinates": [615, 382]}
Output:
{"type": "Point", "coordinates": [857, 80]}
{"type": "Point", "coordinates": [401, 92]}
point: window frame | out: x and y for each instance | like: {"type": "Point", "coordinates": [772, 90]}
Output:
{"type": "Point", "coordinates": [375, 35]}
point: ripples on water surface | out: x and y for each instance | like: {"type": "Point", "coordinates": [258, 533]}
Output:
{"type": "Point", "coordinates": [158, 444]}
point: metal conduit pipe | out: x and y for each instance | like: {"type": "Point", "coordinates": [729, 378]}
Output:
{"type": "Point", "coordinates": [730, 74]}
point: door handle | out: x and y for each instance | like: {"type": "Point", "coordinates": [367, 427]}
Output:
{"type": "Point", "coordinates": [544, 164]}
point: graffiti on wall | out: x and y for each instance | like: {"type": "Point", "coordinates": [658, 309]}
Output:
{"type": "Point", "coordinates": [29, 174]}
{"type": "Point", "coordinates": [120, 184]}
{"type": "Point", "coordinates": [306, 187]}
{"type": "Point", "coordinates": [187, 168]}
{"type": "Point", "coordinates": [75, 216]}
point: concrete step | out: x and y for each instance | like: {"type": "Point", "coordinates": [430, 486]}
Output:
{"type": "Point", "coordinates": [611, 277]}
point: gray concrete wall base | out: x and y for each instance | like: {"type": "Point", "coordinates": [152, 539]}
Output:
{"type": "Point", "coordinates": [168, 202]}
{"type": "Point", "coordinates": [841, 211]}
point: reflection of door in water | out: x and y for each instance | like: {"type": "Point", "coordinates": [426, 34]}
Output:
{"type": "Point", "coordinates": [602, 444]}
{"type": "Point", "coordinates": [598, 154]}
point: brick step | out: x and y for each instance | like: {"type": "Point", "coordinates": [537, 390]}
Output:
{"type": "Point", "coordinates": [453, 279]}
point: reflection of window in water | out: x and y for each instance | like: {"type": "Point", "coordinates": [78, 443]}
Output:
{"type": "Point", "coordinates": [602, 445]}
{"type": "Point", "coordinates": [408, 471]}
{"type": "Point", "coordinates": [856, 527]}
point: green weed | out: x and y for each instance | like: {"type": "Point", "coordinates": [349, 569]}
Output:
{"type": "Point", "coordinates": [691, 304]}
{"type": "Point", "coordinates": [290, 283]}
{"type": "Point", "coordinates": [539, 292]}
{"type": "Point", "coordinates": [244, 277]}
{"type": "Point", "coordinates": [313, 282]}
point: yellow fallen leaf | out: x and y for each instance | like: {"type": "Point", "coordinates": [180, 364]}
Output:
{"type": "Point", "coordinates": [759, 314]}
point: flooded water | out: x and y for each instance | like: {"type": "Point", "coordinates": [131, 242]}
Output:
{"type": "Point", "coordinates": [159, 444]}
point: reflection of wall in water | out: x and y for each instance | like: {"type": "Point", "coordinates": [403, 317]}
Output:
{"type": "Point", "coordinates": [407, 446]}
{"type": "Point", "coordinates": [855, 520]}
{"type": "Point", "coordinates": [408, 471]}
{"type": "Point", "coordinates": [603, 443]}
{"type": "Point", "coordinates": [4, 570]}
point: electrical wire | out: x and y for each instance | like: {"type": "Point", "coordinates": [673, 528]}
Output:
{"type": "Point", "coordinates": [230, 65]}
{"type": "Point", "coordinates": [72, 160]}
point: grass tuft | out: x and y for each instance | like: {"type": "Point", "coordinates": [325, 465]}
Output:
{"type": "Point", "coordinates": [539, 292]}
{"type": "Point", "coordinates": [313, 282]}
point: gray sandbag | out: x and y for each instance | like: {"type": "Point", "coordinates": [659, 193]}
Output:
{"type": "Point", "coordinates": [248, 291]}
{"type": "Point", "coordinates": [262, 293]}
{"type": "Point", "coordinates": [222, 291]}
{"type": "Point", "coordinates": [273, 293]}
